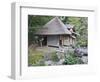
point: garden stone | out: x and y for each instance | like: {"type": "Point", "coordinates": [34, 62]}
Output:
{"type": "Point", "coordinates": [84, 59]}
{"type": "Point", "coordinates": [81, 52]}
{"type": "Point", "coordinates": [47, 56]}
{"type": "Point", "coordinates": [60, 55]}
{"type": "Point", "coordinates": [61, 61]}
{"type": "Point", "coordinates": [48, 62]}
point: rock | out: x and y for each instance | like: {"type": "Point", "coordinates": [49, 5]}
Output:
{"type": "Point", "coordinates": [49, 62]}
{"type": "Point", "coordinates": [81, 52]}
{"type": "Point", "coordinates": [60, 61]}
{"type": "Point", "coordinates": [84, 59]}
{"type": "Point", "coordinates": [47, 56]}
{"type": "Point", "coordinates": [60, 55]}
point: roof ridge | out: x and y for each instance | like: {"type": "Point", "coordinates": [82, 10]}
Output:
{"type": "Point", "coordinates": [64, 26]}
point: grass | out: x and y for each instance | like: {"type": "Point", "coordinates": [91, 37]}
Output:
{"type": "Point", "coordinates": [34, 57]}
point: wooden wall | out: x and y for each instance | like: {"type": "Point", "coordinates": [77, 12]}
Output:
{"type": "Point", "coordinates": [53, 40]}
{"type": "Point", "coordinates": [68, 40]}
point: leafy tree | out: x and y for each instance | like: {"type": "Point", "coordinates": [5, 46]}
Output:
{"type": "Point", "coordinates": [34, 23]}
{"type": "Point", "coordinates": [80, 25]}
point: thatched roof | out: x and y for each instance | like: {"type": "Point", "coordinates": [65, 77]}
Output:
{"type": "Point", "coordinates": [54, 27]}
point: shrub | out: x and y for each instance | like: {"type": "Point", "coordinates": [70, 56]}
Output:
{"type": "Point", "coordinates": [54, 57]}
{"type": "Point", "coordinates": [71, 59]}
